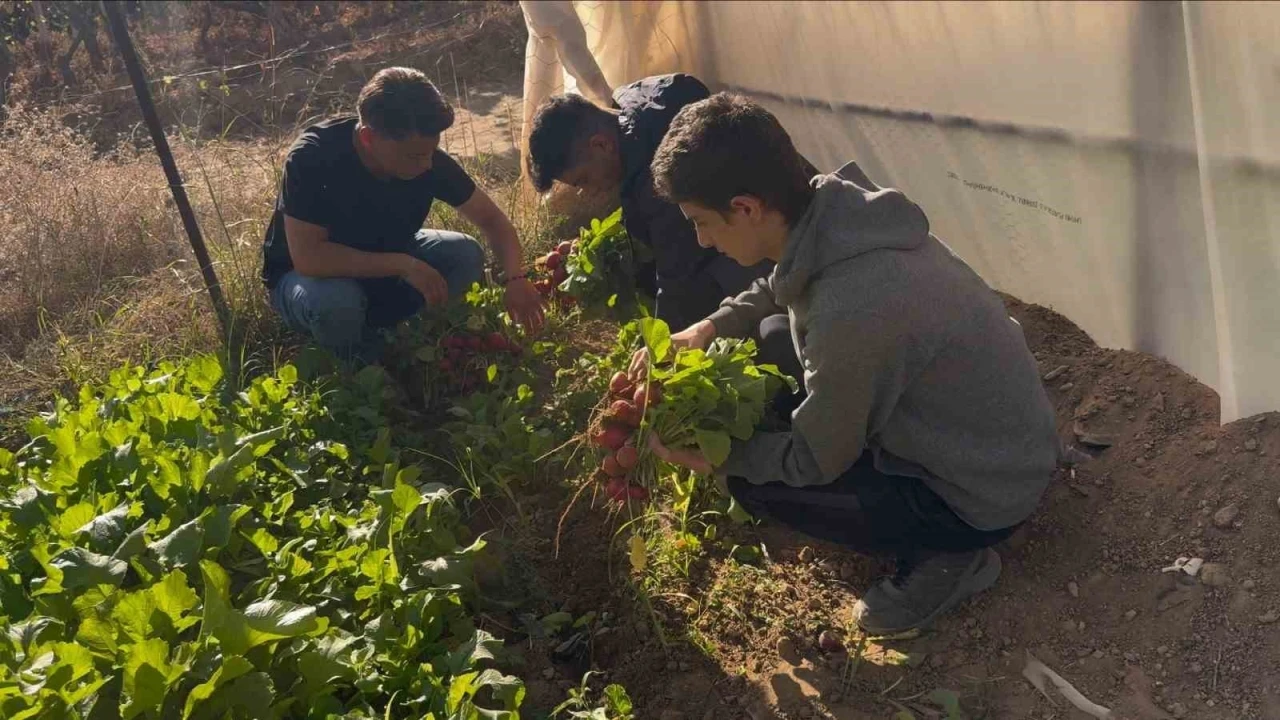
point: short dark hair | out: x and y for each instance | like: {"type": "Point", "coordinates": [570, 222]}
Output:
{"type": "Point", "coordinates": [558, 127]}
{"type": "Point", "coordinates": [399, 102]}
{"type": "Point", "coordinates": [727, 145]}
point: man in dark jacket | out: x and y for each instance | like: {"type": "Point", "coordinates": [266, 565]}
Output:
{"type": "Point", "coordinates": [599, 150]}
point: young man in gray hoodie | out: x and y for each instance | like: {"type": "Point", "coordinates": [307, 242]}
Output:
{"type": "Point", "coordinates": [925, 432]}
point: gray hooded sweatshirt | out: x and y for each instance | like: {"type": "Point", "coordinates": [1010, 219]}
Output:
{"type": "Point", "coordinates": [907, 353]}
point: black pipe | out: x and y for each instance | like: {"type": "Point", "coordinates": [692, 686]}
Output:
{"type": "Point", "coordinates": [120, 34]}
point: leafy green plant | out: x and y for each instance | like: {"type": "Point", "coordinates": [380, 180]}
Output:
{"type": "Point", "coordinates": [495, 438]}
{"type": "Point", "coordinates": [601, 268]}
{"type": "Point", "coordinates": [459, 350]}
{"type": "Point", "coordinates": [692, 398]}
{"type": "Point", "coordinates": [169, 549]}
{"type": "Point", "coordinates": [613, 704]}
{"type": "Point", "coordinates": [477, 373]}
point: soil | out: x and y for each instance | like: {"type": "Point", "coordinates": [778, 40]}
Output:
{"type": "Point", "coordinates": [1082, 588]}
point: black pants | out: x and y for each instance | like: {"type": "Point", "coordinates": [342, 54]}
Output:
{"type": "Point", "coordinates": [774, 347]}
{"type": "Point", "coordinates": [867, 511]}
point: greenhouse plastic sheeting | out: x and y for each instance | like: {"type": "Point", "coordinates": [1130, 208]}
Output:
{"type": "Point", "coordinates": [1117, 162]}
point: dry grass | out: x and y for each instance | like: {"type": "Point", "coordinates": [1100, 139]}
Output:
{"type": "Point", "coordinates": [81, 230]}
{"type": "Point", "coordinates": [72, 222]}
{"type": "Point", "coordinates": [94, 266]}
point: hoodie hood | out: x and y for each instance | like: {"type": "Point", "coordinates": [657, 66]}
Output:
{"type": "Point", "coordinates": [845, 219]}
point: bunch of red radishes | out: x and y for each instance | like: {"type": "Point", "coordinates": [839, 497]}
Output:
{"type": "Point", "coordinates": [553, 272]}
{"type": "Point", "coordinates": [615, 431]}
{"type": "Point", "coordinates": [467, 356]}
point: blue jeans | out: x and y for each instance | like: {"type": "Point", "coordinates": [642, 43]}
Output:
{"type": "Point", "coordinates": [343, 315]}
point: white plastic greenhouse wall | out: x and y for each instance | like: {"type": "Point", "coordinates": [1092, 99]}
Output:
{"type": "Point", "coordinates": [1117, 162]}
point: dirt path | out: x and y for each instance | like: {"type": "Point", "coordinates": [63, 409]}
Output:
{"type": "Point", "coordinates": [1082, 589]}
{"type": "Point", "coordinates": [487, 124]}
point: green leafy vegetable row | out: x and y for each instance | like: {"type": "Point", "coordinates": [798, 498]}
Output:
{"type": "Point", "coordinates": [171, 548]}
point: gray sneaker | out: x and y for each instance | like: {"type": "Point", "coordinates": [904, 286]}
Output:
{"type": "Point", "coordinates": [916, 598]}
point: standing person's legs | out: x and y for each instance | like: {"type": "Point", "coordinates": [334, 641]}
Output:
{"type": "Point", "coordinates": [332, 311]}
{"type": "Point", "coordinates": [457, 257]}
{"type": "Point", "coordinates": [941, 559]}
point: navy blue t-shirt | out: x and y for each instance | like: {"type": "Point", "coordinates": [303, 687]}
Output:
{"type": "Point", "coordinates": [324, 183]}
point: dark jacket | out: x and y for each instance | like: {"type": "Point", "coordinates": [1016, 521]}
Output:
{"type": "Point", "coordinates": [685, 290]}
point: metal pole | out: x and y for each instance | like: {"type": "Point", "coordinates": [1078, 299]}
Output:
{"type": "Point", "coordinates": [120, 34]}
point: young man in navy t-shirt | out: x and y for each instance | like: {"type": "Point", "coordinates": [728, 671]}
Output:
{"type": "Point", "coordinates": [345, 253]}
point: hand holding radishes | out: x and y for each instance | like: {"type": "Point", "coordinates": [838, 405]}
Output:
{"type": "Point", "coordinates": [697, 336]}
{"type": "Point", "coordinates": [683, 410]}
{"type": "Point", "coordinates": [688, 458]}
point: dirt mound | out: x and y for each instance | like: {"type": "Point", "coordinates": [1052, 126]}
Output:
{"type": "Point", "coordinates": [1148, 477]}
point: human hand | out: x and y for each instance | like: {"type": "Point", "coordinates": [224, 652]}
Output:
{"type": "Point", "coordinates": [524, 304]}
{"type": "Point", "coordinates": [698, 336]}
{"type": "Point", "coordinates": [426, 280]}
{"type": "Point", "coordinates": [685, 457]}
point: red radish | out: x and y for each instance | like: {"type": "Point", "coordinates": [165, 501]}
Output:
{"type": "Point", "coordinates": [616, 489]}
{"type": "Point", "coordinates": [627, 456]}
{"type": "Point", "coordinates": [648, 395]}
{"type": "Point", "coordinates": [559, 275]}
{"type": "Point", "coordinates": [454, 354]}
{"type": "Point", "coordinates": [496, 341]}
{"type": "Point", "coordinates": [555, 260]}
{"type": "Point", "coordinates": [620, 384]}
{"type": "Point", "coordinates": [635, 492]}
{"type": "Point", "coordinates": [446, 365]}
{"type": "Point", "coordinates": [514, 347]}
{"type": "Point", "coordinates": [612, 437]}
{"type": "Point", "coordinates": [564, 248]}
{"type": "Point", "coordinates": [453, 341]}
{"type": "Point", "coordinates": [611, 467]}
{"type": "Point", "coordinates": [830, 642]}
{"type": "Point", "coordinates": [474, 343]}
{"type": "Point", "coordinates": [626, 413]}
